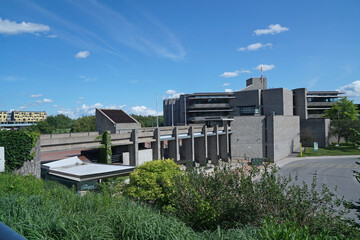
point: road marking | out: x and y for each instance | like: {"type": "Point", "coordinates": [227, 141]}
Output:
{"type": "Point", "coordinates": [339, 165]}
{"type": "Point", "coordinates": [331, 165]}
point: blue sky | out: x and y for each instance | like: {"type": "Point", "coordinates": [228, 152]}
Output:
{"type": "Point", "coordinates": [73, 56]}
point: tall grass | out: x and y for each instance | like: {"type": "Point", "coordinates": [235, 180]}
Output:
{"type": "Point", "coordinates": [46, 210]}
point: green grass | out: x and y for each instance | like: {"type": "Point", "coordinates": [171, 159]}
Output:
{"type": "Point", "coordinates": [332, 150]}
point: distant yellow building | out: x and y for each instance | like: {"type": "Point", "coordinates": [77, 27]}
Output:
{"type": "Point", "coordinates": [3, 116]}
{"type": "Point", "coordinates": [28, 116]}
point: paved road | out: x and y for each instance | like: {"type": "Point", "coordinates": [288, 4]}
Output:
{"type": "Point", "coordinates": [332, 171]}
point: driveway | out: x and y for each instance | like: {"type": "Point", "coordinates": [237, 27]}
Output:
{"type": "Point", "coordinates": [336, 172]}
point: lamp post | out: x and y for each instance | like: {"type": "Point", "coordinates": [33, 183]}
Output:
{"type": "Point", "coordinates": [172, 112]}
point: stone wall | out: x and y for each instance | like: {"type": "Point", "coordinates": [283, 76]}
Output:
{"type": "Point", "coordinates": [33, 166]}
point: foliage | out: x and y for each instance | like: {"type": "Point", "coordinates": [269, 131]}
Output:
{"type": "Point", "coordinates": [230, 198]}
{"type": "Point", "coordinates": [84, 124]}
{"type": "Point", "coordinates": [46, 210]}
{"type": "Point", "coordinates": [342, 109]}
{"type": "Point", "coordinates": [342, 129]}
{"type": "Point", "coordinates": [152, 182]}
{"type": "Point", "coordinates": [273, 230]}
{"type": "Point", "coordinates": [356, 205]}
{"type": "Point", "coordinates": [105, 148]}
{"type": "Point", "coordinates": [60, 121]}
{"type": "Point", "coordinates": [148, 121]}
{"type": "Point", "coordinates": [306, 139]}
{"type": "Point", "coordinates": [18, 147]}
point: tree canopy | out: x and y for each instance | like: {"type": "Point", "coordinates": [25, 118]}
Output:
{"type": "Point", "coordinates": [342, 109]}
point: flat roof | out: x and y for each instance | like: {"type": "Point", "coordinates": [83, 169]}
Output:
{"type": "Point", "coordinates": [75, 169]}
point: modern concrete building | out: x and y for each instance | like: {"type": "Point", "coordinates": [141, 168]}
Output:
{"type": "Point", "coordinates": [27, 116]}
{"type": "Point", "coordinates": [312, 104]}
{"type": "Point", "coordinates": [114, 120]}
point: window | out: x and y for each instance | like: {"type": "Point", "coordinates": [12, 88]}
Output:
{"type": "Point", "coordinates": [248, 110]}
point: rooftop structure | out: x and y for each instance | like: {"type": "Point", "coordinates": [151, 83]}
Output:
{"type": "Point", "coordinates": [113, 120]}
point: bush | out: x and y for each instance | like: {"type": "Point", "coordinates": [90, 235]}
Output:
{"type": "Point", "coordinates": [18, 146]}
{"type": "Point", "coordinates": [230, 198]}
{"type": "Point", "coordinates": [153, 182]}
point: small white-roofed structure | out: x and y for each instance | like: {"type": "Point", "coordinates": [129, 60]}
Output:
{"type": "Point", "coordinates": [84, 175]}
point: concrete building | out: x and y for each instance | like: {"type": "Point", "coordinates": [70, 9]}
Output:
{"type": "Point", "coordinates": [114, 120]}
{"type": "Point", "coordinates": [3, 116]}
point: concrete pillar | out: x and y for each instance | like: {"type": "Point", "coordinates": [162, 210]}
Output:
{"type": "Point", "coordinates": [134, 149]}
{"type": "Point", "coordinates": [201, 149]}
{"type": "Point", "coordinates": [156, 145]}
{"type": "Point", "coordinates": [213, 146]}
{"type": "Point", "coordinates": [162, 150]}
{"type": "Point", "coordinates": [192, 147]}
{"type": "Point", "coordinates": [224, 147]}
{"type": "Point", "coordinates": [174, 145]}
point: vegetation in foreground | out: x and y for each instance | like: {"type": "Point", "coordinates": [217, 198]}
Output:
{"type": "Point", "coordinates": [163, 203]}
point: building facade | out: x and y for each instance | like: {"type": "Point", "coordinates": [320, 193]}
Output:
{"type": "Point", "coordinates": [19, 117]}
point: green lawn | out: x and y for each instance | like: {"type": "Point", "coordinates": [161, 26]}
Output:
{"type": "Point", "coordinates": [332, 150]}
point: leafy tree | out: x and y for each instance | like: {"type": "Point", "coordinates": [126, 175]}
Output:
{"type": "Point", "coordinates": [342, 109]}
{"type": "Point", "coordinates": [60, 121]}
{"type": "Point", "coordinates": [342, 128]}
{"type": "Point", "coordinates": [148, 121]}
{"type": "Point", "coordinates": [306, 139]}
{"type": "Point", "coordinates": [84, 124]}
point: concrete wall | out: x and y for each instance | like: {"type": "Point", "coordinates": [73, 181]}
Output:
{"type": "Point", "coordinates": [103, 123]}
{"type": "Point", "coordinates": [245, 99]}
{"type": "Point", "coordinates": [248, 137]}
{"type": "Point", "coordinates": [283, 136]}
{"type": "Point", "coordinates": [125, 126]}
{"type": "Point", "coordinates": [300, 102]}
{"type": "Point", "coordinates": [278, 100]}
{"type": "Point", "coordinates": [318, 128]}
{"type": "Point", "coordinates": [256, 83]}
{"type": "Point", "coordinates": [32, 166]}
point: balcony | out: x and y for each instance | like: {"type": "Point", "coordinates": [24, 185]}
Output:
{"type": "Point", "coordinates": [209, 105]}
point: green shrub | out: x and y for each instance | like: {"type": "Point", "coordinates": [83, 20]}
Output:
{"type": "Point", "coordinates": [153, 182]}
{"type": "Point", "coordinates": [18, 146]}
{"type": "Point", "coordinates": [273, 230]}
{"type": "Point", "coordinates": [16, 184]}
{"type": "Point", "coordinates": [230, 198]}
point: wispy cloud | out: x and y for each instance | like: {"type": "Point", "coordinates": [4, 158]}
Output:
{"type": "Point", "coordinates": [352, 89]}
{"type": "Point", "coordinates": [13, 79]}
{"type": "Point", "coordinates": [265, 67]}
{"type": "Point", "coordinates": [255, 46]}
{"type": "Point", "coordinates": [226, 84]}
{"type": "Point", "coordinates": [115, 28]}
{"type": "Point", "coordinates": [228, 90]}
{"type": "Point", "coordinates": [10, 27]}
{"type": "Point", "coordinates": [272, 29]}
{"type": "Point", "coordinates": [35, 95]}
{"type": "Point", "coordinates": [233, 74]}
{"type": "Point", "coordinates": [82, 54]}
{"type": "Point", "coordinates": [85, 110]}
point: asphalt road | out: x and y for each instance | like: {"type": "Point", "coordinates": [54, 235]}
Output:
{"type": "Point", "coordinates": [335, 172]}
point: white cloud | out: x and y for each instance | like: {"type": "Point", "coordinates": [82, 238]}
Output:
{"type": "Point", "coordinates": [52, 36]}
{"type": "Point", "coordinates": [226, 84]}
{"type": "Point", "coordinates": [170, 92]}
{"type": "Point", "coordinates": [255, 46]}
{"type": "Point", "coordinates": [233, 74]}
{"type": "Point", "coordinates": [10, 27]}
{"type": "Point", "coordinates": [272, 29]}
{"type": "Point", "coordinates": [81, 98]}
{"type": "Point", "coordinates": [352, 89]}
{"type": "Point", "coordinates": [142, 110]}
{"type": "Point", "coordinates": [173, 93]}
{"type": "Point", "coordinates": [228, 90]}
{"type": "Point", "coordinates": [56, 106]}
{"type": "Point", "coordinates": [22, 107]}
{"type": "Point", "coordinates": [35, 95]}
{"type": "Point", "coordinates": [265, 67]}
{"type": "Point", "coordinates": [82, 54]}
{"type": "Point", "coordinates": [85, 110]}
{"type": "Point", "coordinates": [47, 100]}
